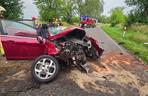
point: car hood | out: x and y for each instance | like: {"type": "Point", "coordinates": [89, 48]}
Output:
{"type": "Point", "coordinates": [70, 31]}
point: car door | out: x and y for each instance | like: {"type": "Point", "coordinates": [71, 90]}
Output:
{"type": "Point", "coordinates": [19, 41]}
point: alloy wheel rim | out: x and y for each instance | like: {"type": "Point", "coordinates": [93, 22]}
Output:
{"type": "Point", "coordinates": [45, 68]}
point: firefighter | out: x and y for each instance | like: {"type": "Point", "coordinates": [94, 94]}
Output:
{"type": "Point", "coordinates": [2, 10]}
{"type": "Point", "coordinates": [1, 48]}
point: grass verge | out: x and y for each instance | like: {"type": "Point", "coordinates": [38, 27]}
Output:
{"type": "Point", "coordinates": [134, 39]}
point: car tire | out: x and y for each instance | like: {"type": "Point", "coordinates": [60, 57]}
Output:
{"type": "Point", "coordinates": [95, 54]}
{"type": "Point", "coordinates": [43, 66]}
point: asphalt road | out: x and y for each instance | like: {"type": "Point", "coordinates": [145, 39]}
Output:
{"type": "Point", "coordinates": [107, 43]}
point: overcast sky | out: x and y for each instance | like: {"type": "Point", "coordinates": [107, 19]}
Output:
{"type": "Point", "coordinates": [31, 10]}
{"type": "Point", "coordinates": [110, 4]}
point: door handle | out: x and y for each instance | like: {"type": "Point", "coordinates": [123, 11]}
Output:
{"type": "Point", "coordinates": [10, 41]}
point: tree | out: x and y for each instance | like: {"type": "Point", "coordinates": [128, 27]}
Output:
{"type": "Point", "coordinates": [139, 13]}
{"type": "Point", "coordinates": [141, 5]}
{"type": "Point", "coordinates": [104, 19]}
{"type": "Point", "coordinates": [117, 16]}
{"type": "Point", "coordinates": [68, 10]}
{"type": "Point", "coordinates": [92, 8]}
{"type": "Point", "coordinates": [13, 8]}
{"type": "Point", "coordinates": [50, 9]}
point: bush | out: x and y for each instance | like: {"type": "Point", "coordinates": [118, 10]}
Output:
{"type": "Point", "coordinates": [117, 16]}
{"type": "Point", "coordinates": [103, 19]}
{"type": "Point", "coordinates": [75, 19]}
{"type": "Point", "coordinates": [136, 17]}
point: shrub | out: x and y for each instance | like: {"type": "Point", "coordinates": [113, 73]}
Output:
{"type": "Point", "coordinates": [136, 17]}
{"type": "Point", "coordinates": [75, 19]}
{"type": "Point", "coordinates": [117, 16]}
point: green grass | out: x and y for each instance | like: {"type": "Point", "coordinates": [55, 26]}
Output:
{"type": "Point", "coordinates": [134, 39]}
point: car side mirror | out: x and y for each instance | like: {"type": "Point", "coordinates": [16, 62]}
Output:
{"type": "Point", "coordinates": [5, 33]}
{"type": "Point", "coordinates": [41, 40]}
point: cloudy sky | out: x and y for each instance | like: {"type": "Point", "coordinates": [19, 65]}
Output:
{"type": "Point", "coordinates": [31, 10]}
{"type": "Point", "coordinates": [110, 4]}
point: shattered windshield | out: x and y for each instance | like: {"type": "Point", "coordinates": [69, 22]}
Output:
{"type": "Point", "coordinates": [55, 30]}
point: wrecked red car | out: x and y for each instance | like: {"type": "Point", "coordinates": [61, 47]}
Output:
{"type": "Point", "coordinates": [71, 47]}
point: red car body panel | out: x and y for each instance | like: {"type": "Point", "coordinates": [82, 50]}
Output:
{"type": "Point", "coordinates": [65, 32]}
{"type": "Point", "coordinates": [23, 48]}
{"type": "Point", "coordinates": [26, 48]}
{"type": "Point", "coordinates": [51, 48]}
{"type": "Point", "coordinates": [95, 44]}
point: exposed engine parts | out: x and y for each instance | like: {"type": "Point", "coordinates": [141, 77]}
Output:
{"type": "Point", "coordinates": [72, 53]}
{"type": "Point", "coordinates": [75, 52]}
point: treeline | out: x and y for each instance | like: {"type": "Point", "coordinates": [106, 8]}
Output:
{"type": "Point", "coordinates": [69, 10]}
{"type": "Point", "coordinates": [139, 14]}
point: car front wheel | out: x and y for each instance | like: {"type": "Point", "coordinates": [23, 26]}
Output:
{"type": "Point", "coordinates": [45, 68]}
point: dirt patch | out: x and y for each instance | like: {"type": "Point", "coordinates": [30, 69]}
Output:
{"type": "Point", "coordinates": [15, 76]}
{"type": "Point", "coordinates": [112, 75]}
{"type": "Point", "coordinates": [118, 62]}
{"type": "Point", "coordinates": [12, 67]}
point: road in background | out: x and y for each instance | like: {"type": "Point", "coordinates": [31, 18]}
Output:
{"type": "Point", "coordinates": [108, 44]}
